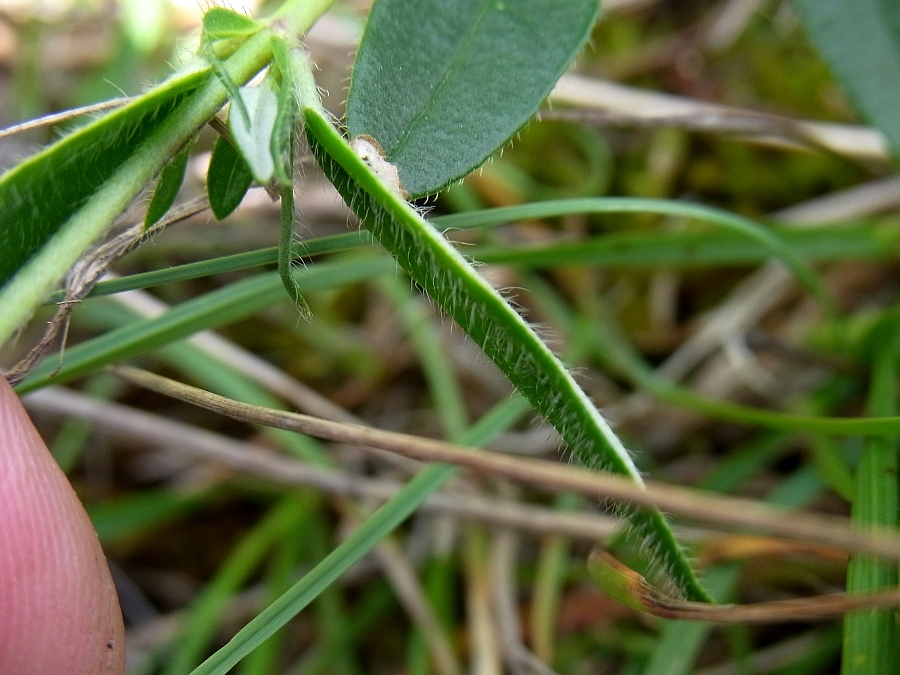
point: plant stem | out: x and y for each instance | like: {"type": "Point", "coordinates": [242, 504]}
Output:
{"type": "Point", "coordinates": [297, 16]}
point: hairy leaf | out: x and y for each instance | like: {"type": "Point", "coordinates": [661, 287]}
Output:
{"type": "Point", "coordinates": [442, 85]}
{"type": "Point", "coordinates": [496, 327]}
{"type": "Point", "coordinates": [253, 137]}
{"type": "Point", "coordinates": [41, 193]}
{"type": "Point", "coordinates": [225, 24]}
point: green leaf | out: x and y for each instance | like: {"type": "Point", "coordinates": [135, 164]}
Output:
{"type": "Point", "coordinates": [253, 136]}
{"type": "Point", "coordinates": [381, 523]}
{"type": "Point", "coordinates": [441, 85]}
{"type": "Point", "coordinates": [227, 179]}
{"type": "Point", "coordinates": [253, 548]}
{"type": "Point", "coordinates": [860, 41]}
{"type": "Point", "coordinates": [41, 193]}
{"type": "Point", "coordinates": [504, 336]}
{"type": "Point", "coordinates": [167, 188]}
{"type": "Point", "coordinates": [225, 24]}
{"type": "Point", "coordinates": [216, 308]}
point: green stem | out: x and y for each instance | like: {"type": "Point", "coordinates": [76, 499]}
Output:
{"type": "Point", "coordinates": [297, 16]}
{"type": "Point", "coordinates": [286, 246]}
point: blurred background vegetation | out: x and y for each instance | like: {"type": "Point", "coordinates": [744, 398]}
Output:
{"type": "Point", "coordinates": [192, 538]}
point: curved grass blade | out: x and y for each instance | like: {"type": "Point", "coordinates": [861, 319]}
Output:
{"type": "Point", "coordinates": [613, 350]}
{"type": "Point", "coordinates": [441, 85]}
{"type": "Point", "coordinates": [689, 250]}
{"type": "Point", "coordinates": [752, 231]}
{"type": "Point", "coordinates": [500, 332]}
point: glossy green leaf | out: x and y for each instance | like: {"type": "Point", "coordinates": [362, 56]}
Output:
{"type": "Point", "coordinates": [41, 193]}
{"type": "Point", "coordinates": [225, 24]}
{"type": "Point", "coordinates": [860, 41]}
{"type": "Point", "coordinates": [167, 188]}
{"type": "Point", "coordinates": [441, 85]}
{"type": "Point", "coordinates": [253, 137]}
{"type": "Point", "coordinates": [227, 179]}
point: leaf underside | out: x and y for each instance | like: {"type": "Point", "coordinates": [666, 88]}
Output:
{"type": "Point", "coordinates": [41, 193]}
{"type": "Point", "coordinates": [498, 330]}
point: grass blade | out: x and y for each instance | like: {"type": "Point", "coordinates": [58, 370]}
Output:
{"type": "Point", "coordinates": [870, 638]}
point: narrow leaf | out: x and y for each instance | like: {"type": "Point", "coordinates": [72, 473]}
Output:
{"type": "Point", "coordinates": [227, 179]}
{"type": "Point", "coordinates": [225, 305]}
{"type": "Point", "coordinates": [870, 638]}
{"type": "Point", "coordinates": [442, 85]}
{"type": "Point", "coordinates": [41, 193]}
{"type": "Point", "coordinates": [167, 188]}
{"type": "Point", "coordinates": [497, 328]}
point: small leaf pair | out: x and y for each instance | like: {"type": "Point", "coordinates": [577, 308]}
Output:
{"type": "Point", "coordinates": [260, 147]}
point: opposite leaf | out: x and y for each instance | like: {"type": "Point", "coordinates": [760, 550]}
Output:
{"type": "Point", "coordinates": [441, 85]}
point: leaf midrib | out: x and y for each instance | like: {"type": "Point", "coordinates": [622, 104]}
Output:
{"type": "Point", "coordinates": [416, 119]}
